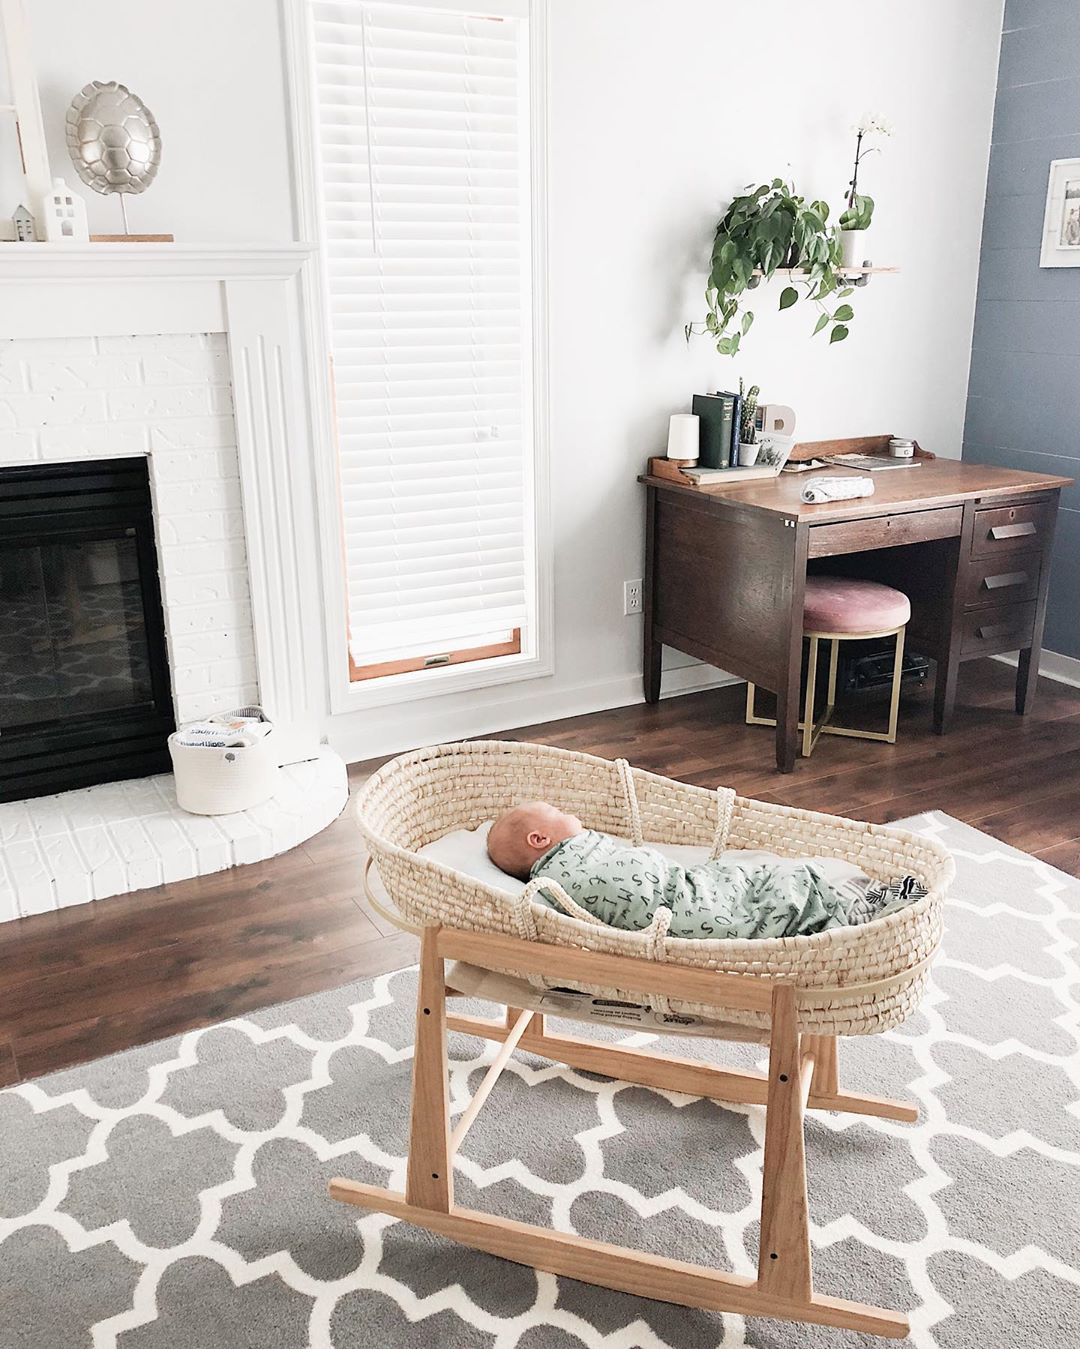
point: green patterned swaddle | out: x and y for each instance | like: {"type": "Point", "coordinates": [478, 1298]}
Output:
{"type": "Point", "coordinates": [625, 886]}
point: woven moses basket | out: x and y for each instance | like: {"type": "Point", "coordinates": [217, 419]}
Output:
{"type": "Point", "coordinates": [850, 980]}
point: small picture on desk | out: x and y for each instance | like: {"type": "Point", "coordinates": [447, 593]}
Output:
{"type": "Point", "coordinates": [773, 452]}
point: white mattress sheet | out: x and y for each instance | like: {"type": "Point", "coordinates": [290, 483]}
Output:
{"type": "Point", "coordinates": [465, 850]}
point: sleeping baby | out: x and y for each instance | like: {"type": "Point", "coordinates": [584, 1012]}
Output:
{"type": "Point", "coordinates": [624, 886]}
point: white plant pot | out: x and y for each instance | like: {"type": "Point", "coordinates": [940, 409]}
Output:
{"type": "Point", "coordinates": [853, 248]}
{"type": "Point", "coordinates": [748, 454]}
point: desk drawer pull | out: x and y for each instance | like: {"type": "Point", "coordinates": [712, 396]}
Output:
{"type": "Point", "coordinates": [990, 630]}
{"type": "Point", "coordinates": [1007, 578]}
{"type": "Point", "coordinates": [1000, 627]}
{"type": "Point", "coordinates": [1012, 529]}
{"type": "Point", "coordinates": [1017, 531]}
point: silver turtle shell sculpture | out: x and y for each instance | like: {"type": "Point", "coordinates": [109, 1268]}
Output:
{"type": "Point", "coordinates": [113, 139]}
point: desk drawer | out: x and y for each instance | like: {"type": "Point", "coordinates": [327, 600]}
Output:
{"type": "Point", "coordinates": [885, 531]}
{"type": "Point", "coordinates": [1012, 529]}
{"type": "Point", "coordinates": [1005, 627]}
{"type": "Point", "coordinates": [1002, 580]}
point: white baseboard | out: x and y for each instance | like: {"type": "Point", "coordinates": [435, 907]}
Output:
{"type": "Point", "coordinates": [355, 738]}
{"type": "Point", "coordinates": [1052, 664]}
{"type": "Point", "coordinates": [693, 679]}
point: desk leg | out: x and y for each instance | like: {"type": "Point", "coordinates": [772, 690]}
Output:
{"type": "Point", "coordinates": [651, 666]}
{"type": "Point", "coordinates": [949, 623]}
{"type": "Point", "coordinates": [790, 674]}
{"type": "Point", "coordinates": [652, 650]}
{"type": "Point", "coordinates": [948, 676]}
{"type": "Point", "coordinates": [1027, 671]}
{"type": "Point", "coordinates": [1027, 676]}
{"type": "Point", "coordinates": [787, 723]}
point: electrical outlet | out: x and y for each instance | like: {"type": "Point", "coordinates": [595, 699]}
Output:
{"type": "Point", "coordinates": [632, 597]}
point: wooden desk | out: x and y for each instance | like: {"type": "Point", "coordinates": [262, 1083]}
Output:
{"type": "Point", "coordinates": [969, 545]}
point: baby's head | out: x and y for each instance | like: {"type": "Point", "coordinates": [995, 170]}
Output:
{"type": "Point", "coordinates": [521, 836]}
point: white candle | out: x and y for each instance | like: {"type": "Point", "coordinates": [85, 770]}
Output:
{"type": "Point", "coordinates": [683, 436]}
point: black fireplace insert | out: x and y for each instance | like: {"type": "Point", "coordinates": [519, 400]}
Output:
{"type": "Point", "coordinates": [84, 673]}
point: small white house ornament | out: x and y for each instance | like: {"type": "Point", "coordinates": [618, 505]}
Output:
{"type": "Point", "coordinates": [23, 222]}
{"type": "Point", "coordinates": [64, 215]}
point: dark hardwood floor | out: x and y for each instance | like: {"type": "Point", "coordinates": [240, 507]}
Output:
{"type": "Point", "coordinates": [85, 982]}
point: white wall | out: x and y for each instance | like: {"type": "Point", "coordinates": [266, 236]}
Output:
{"type": "Point", "coordinates": [658, 113]}
{"type": "Point", "coordinates": [651, 132]}
{"type": "Point", "coordinates": [211, 72]}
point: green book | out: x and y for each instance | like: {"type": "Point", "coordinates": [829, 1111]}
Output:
{"type": "Point", "coordinates": [716, 413]}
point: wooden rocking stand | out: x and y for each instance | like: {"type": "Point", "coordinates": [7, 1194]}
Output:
{"type": "Point", "coordinates": [802, 1074]}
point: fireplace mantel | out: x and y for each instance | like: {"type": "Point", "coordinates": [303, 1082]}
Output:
{"type": "Point", "coordinates": [248, 292]}
{"type": "Point", "coordinates": [40, 262]}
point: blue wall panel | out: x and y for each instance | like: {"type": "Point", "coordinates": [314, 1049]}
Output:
{"type": "Point", "coordinates": [1024, 393]}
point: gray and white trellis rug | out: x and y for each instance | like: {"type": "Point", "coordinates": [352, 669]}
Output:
{"type": "Point", "coordinates": [174, 1197]}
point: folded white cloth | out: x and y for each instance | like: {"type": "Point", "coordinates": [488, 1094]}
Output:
{"type": "Point", "coordinates": [226, 730]}
{"type": "Point", "coordinates": [836, 489]}
{"type": "Point", "coordinates": [211, 735]}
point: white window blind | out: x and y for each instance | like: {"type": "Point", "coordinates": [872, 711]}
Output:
{"type": "Point", "coordinates": [423, 133]}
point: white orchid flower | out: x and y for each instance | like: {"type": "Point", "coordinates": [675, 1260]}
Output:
{"type": "Point", "coordinates": [872, 124]}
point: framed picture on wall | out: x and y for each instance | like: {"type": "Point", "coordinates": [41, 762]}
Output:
{"type": "Point", "coordinates": [1061, 224]}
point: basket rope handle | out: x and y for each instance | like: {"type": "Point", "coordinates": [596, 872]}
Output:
{"type": "Point", "coordinates": [725, 809]}
{"type": "Point", "coordinates": [633, 813]}
{"type": "Point", "coordinates": [526, 919]}
{"type": "Point", "coordinates": [569, 906]}
{"type": "Point", "coordinates": [655, 936]}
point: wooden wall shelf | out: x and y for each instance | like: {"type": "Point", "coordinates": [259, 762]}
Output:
{"type": "Point", "coordinates": [844, 271]}
{"type": "Point", "coordinates": [858, 276]}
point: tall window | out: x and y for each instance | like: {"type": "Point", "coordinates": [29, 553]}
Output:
{"type": "Point", "coordinates": [423, 152]}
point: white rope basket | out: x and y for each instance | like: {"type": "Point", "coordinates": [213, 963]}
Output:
{"type": "Point", "coordinates": [222, 780]}
{"type": "Point", "coordinates": [850, 980]}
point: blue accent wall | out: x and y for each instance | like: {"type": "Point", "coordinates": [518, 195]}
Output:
{"type": "Point", "coordinates": [1023, 406]}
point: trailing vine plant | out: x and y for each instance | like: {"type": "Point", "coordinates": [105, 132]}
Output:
{"type": "Point", "coordinates": [771, 227]}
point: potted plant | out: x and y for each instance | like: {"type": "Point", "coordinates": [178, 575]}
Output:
{"type": "Point", "coordinates": [859, 210]}
{"type": "Point", "coordinates": [769, 227]}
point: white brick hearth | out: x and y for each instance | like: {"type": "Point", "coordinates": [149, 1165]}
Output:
{"type": "Point", "coordinates": [169, 398]}
{"type": "Point", "coordinates": [56, 851]}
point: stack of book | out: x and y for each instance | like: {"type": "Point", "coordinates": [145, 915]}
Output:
{"type": "Point", "coordinates": [720, 415]}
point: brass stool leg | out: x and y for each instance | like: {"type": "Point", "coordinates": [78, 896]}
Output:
{"type": "Point", "coordinates": [752, 718]}
{"type": "Point", "coordinates": [808, 736]}
{"type": "Point", "coordinates": [894, 705]}
{"type": "Point", "coordinates": [810, 730]}
{"type": "Point", "coordinates": [834, 660]}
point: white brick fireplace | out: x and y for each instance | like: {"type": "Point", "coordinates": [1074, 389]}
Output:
{"type": "Point", "coordinates": [186, 356]}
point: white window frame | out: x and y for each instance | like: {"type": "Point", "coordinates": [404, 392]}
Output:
{"type": "Point", "coordinates": [537, 657]}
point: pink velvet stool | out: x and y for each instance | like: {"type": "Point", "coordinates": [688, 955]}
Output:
{"type": "Point", "coordinates": [835, 608]}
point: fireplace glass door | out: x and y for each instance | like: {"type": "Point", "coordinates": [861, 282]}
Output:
{"type": "Point", "coordinates": [72, 637]}
{"type": "Point", "coordinates": [84, 688]}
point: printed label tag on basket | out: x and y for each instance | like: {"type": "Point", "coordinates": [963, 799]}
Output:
{"type": "Point", "coordinates": [572, 1003]}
